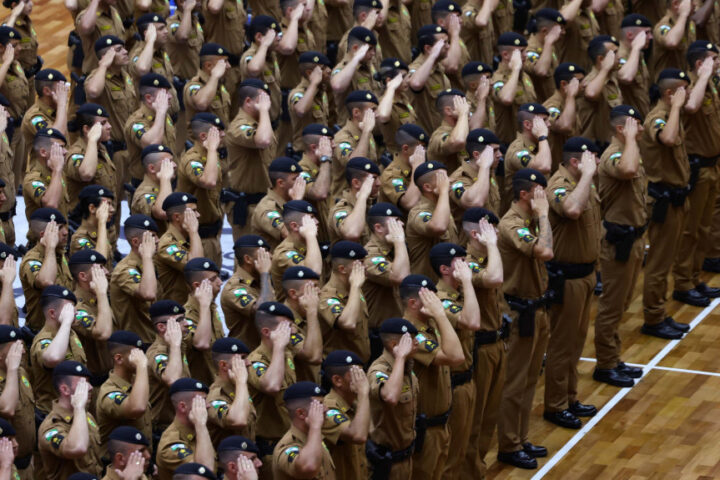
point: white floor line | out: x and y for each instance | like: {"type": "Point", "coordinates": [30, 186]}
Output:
{"type": "Point", "coordinates": [658, 367]}
{"type": "Point", "coordinates": [618, 396]}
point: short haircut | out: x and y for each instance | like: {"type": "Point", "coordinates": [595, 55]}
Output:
{"type": "Point", "coordinates": [694, 56]}
{"type": "Point", "coordinates": [521, 186]}
{"type": "Point", "coordinates": [335, 370]}
{"type": "Point", "coordinates": [352, 105]}
{"type": "Point", "coordinates": [295, 403]}
{"type": "Point", "coordinates": [175, 209]}
{"type": "Point", "coordinates": [37, 226]}
{"type": "Point", "coordinates": [78, 268]}
{"type": "Point", "coordinates": [542, 22]}
{"type": "Point", "coordinates": [293, 216]}
{"type": "Point", "coordinates": [240, 252]}
{"type": "Point", "coordinates": [178, 397]}
{"type": "Point", "coordinates": [619, 120]}
{"type": "Point", "coordinates": [218, 356]}
{"type": "Point", "coordinates": [444, 101]}
{"type": "Point", "coordinates": [275, 176]}
{"type": "Point", "coordinates": [523, 116]}
{"type": "Point", "coordinates": [381, 219]}
{"type": "Point", "coordinates": [311, 139]}
{"type": "Point", "coordinates": [146, 90]}
{"type": "Point", "coordinates": [386, 338]}
{"type": "Point", "coordinates": [59, 380]}
{"type": "Point", "coordinates": [597, 49]}
{"type": "Point", "coordinates": [426, 40]}
{"type": "Point", "coordinates": [293, 284]}
{"type": "Point", "coordinates": [355, 174]}
{"type": "Point", "coordinates": [359, 8]}
{"type": "Point", "coordinates": [40, 84]}
{"type": "Point", "coordinates": [439, 15]}
{"type": "Point", "coordinates": [246, 92]}
{"type": "Point", "coordinates": [670, 84]}
{"type": "Point", "coordinates": [51, 303]}
{"type": "Point", "coordinates": [117, 446]}
{"type": "Point", "coordinates": [266, 320]}
{"type": "Point", "coordinates": [84, 205]}
{"type": "Point", "coordinates": [41, 142]}
{"type": "Point", "coordinates": [352, 41]}
{"type": "Point", "coordinates": [114, 347]}
{"type": "Point", "coordinates": [404, 138]}
{"type": "Point", "coordinates": [152, 158]}
{"type": "Point", "coordinates": [408, 292]}
{"type": "Point", "coordinates": [426, 178]}
{"type": "Point", "coordinates": [132, 232]}
{"type": "Point", "coordinates": [199, 126]}
{"type": "Point", "coordinates": [284, 4]}
{"type": "Point", "coordinates": [85, 120]}
{"type": "Point", "coordinates": [193, 276]}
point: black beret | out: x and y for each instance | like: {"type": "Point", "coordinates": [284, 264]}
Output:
{"type": "Point", "coordinates": [178, 198]}
{"type": "Point", "coordinates": [128, 434]}
{"type": "Point", "coordinates": [193, 468]}
{"type": "Point", "coordinates": [534, 108]}
{"type": "Point", "coordinates": [384, 209]}
{"type": "Point", "coordinates": [483, 136]}
{"type": "Point", "coordinates": [250, 241]}
{"type": "Point", "coordinates": [92, 109]}
{"type": "Point", "coordinates": [363, 34]}
{"type": "Point", "coordinates": [107, 41]}
{"type": "Point", "coordinates": [418, 281]}
{"type": "Point", "coordinates": [317, 129]}
{"type": "Point", "coordinates": [4, 101]}
{"type": "Point", "coordinates": [673, 73]}
{"type": "Point", "coordinates": [284, 165]}
{"type": "Point", "coordinates": [361, 96]}
{"type": "Point", "coordinates": [51, 133]}
{"type": "Point", "coordinates": [368, 3]}
{"type": "Point", "coordinates": [427, 167]}
{"type": "Point", "coordinates": [428, 30]}
{"type": "Point", "coordinates": [71, 368]}
{"type": "Point", "coordinates": [124, 337]}
{"type": "Point", "coordinates": [342, 358]}
{"type": "Point", "coordinates": [154, 148]}
{"type": "Point", "coordinates": [303, 389]}
{"type": "Point", "coordinates": [213, 49]}
{"type": "Point", "coordinates": [475, 214]}
{"type": "Point", "coordinates": [398, 326]}
{"type": "Point", "coordinates": [201, 264]}
{"type": "Point", "coordinates": [207, 117]}
{"type": "Point", "coordinates": [255, 83]}
{"type": "Point", "coordinates": [446, 6]}
{"type": "Point", "coordinates": [451, 91]}
{"type": "Point", "coordinates": [625, 111]}
{"type": "Point", "coordinates": [82, 476]}
{"type": "Point", "coordinates": [50, 75]}
{"type": "Point", "coordinates": [87, 257]}
{"type": "Point", "coordinates": [48, 214]}
{"type": "Point", "coordinates": [511, 39]}
{"type": "Point", "coordinates": [143, 222]}
{"type": "Point", "coordinates": [531, 175]}
{"type": "Point", "coordinates": [394, 63]}
{"type": "Point", "coordinates": [314, 57]}
{"type": "Point", "coordinates": [444, 251]}
{"type": "Point", "coordinates": [95, 191]}
{"type": "Point", "coordinates": [348, 249]}
{"type": "Point", "coordinates": [188, 385]}
{"type": "Point", "coordinates": [7, 34]}
{"type": "Point", "coordinates": [566, 71]}
{"type": "Point", "coordinates": [8, 334]}
{"type": "Point", "coordinates": [276, 309]}
{"type": "Point", "coordinates": [154, 80]}
{"type": "Point", "coordinates": [473, 68]}
{"type": "Point", "coordinates": [635, 20]}
{"type": "Point", "coordinates": [6, 430]}
{"type": "Point", "coordinates": [414, 131]}
{"type": "Point", "coordinates": [6, 250]}
{"type": "Point", "coordinates": [300, 273]}
{"type": "Point", "coordinates": [149, 18]}
{"type": "Point", "coordinates": [165, 307]}
{"type": "Point", "coordinates": [229, 345]}
{"type": "Point", "coordinates": [299, 206]}
{"type": "Point", "coordinates": [363, 164]}
{"type": "Point", "coordinates": [580, 144]}
{"type": "Point", "coordinates": [702, 46]}
{"type": "Point", "coordinates": [550, 14]}
{"type": "Point", "coordinates": [58, 291]}
{"type": "Point", "coordinates": [237, 442]}
{"type": "Point", "coordinates": [261, 24]}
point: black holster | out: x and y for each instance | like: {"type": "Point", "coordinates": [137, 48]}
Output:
{"type": "Point", "coordinates": [526, 314]}
{"type": "Point", "coordinates": [78, 93]}
{"type": "Point", "coordinates": [75, 41]}
{"type": "Point", "coordinates": [266, 446]}
{"type": "Point", "coordinates": [665, 196]}
{"type": "Point", "coordinates": [179, 84]}
{"type": "Point", "coordinates": [210, 230]}
{"type": "Point", "coordinates": [420, 430]}
{"type": "Point", "coordinates": [242, 202]}
{"type": "Point", "coordinates": [30, 72]}
{"type": "Point", "coordinates": [381, 459]}
{"type": "Point", "coordinates": [284, 109]}
{"type": "Point", "coordinates": [556, 282]}
{"type": "Point", "coordinates": [23, 462]}
{"type": "Point", "coordinates": [622, 237]}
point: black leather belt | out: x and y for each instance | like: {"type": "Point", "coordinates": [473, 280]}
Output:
{"type": "Point", "coordinates": [457, 379]}
{"type": "Point", "coordinates": [242, 202]}
{"type": "Point", "coordinates": [703, 162]}
{"type": "Point", "coordinates": [438, 420]}
{"type": "Point", "coordinates": [572, 271]}
{"type": "Point", "coordinates": [265, 445]}
{"type": "Point", "coordinates": [23, 462]}
{"type": "Point", "coordinates": [488, 337]}
{"type": "Point", "coordinates": [210, 230]}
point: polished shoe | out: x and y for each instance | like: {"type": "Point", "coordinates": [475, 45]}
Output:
{"type": "Point", "coordinates": [581, 410]}
{"type": "Point", "coordinates": [518, 459]}
{"type": "Point", "coordinates": [632, 372]}
{"type": "Point", "coordinates": [691, 297]}
{"type": "Point", "coordinates": [535, 451]}
{"type": "Point", "coordinates": [710, 292]}
{"type": "Point", "coordinates": [612, 377]}
{"type": "Point", "coordinates": [682, 327]}
{"type": "Point", "coordinates": [563, 419]}
{"type": "Point", "coordinates": [711, 265]}
{"type": "Point", "coordinates": [661, 330]}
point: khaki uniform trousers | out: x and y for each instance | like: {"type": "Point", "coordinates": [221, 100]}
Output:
{"type": "Point", "coordinates": [212, 249]}
{"type": "Point", "coordinates": [569, 323]}
{"type": "Point", "coordinates": [429, 463]}
{"type": "Point", "coordinates": [713, 247]}
{"type": "Point", "coordinates": [664, 240]}
{"type": "Point", "coordinates": [619, 280]}
{"type": "Point", "coordinates": [238, 230]}
{"type": "Point", "coordinates": [489, 378]}
{"type": "Point", "coordinates": [694, 239]}
{"type": "Point", "coordinates": [524, 360]}
{"type": "Point", "coordinates": [463, 406]}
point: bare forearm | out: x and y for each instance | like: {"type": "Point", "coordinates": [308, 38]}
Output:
{"type": "Point", "coordinates": [471, 309]}
{"type": "Point", "coordinates": [139, 395]}
{"type": "Point", "coordinates": [392, 389]}
{"type": "Point", "coordinates": [669, 134]}
{"type": "Point", "coordinates": [304, 105]}
{"type": "Point", "coordinates": [566, 121]}
{"type": "Point", "coordinates": [479, 117]}
{"type": "Point", "coordinates": [203, 332]}
{"type": "Point", "coordinates": [313, 259]}
{"type": "Point", "coordinates": [576, 202]}
{"type": "Point", "coordinates": [594, 88]}
{"type": "Point", "coordinates": [477, 194]}
{"type": "Point", "coordinates": [10, 395]}
{"type": "Point", "coordinates": [48, 271]}
{"type": "Point", "coordinates": [289, 40]}
{"type": "Point", "coordinates": [156, 133]}
{"type": "Point", "coordinates": [266, 291]}
{"type": "Point", "coordinates": [341, 80]}
{"type": "Point", "coordinates": [78, 439]}
{"type": "Point", "coordinates": [627, 72]}
{"type": "Point", "coordinates": [440, 220]}
{"type": "Point", "coordinates": [196, 248]}
{"type": "Point", "coordinates": [88, 166]}
{"type": "Point", "coordinates": [174, 369]}
{"type": "Point", "coordinates": [204, 451]}
{"type": "Point", "coordinates": [354, 225]}
{"type": "Point", "coordinates": [321, 186]}
{"type": "Point", "coordinates": [54, 192]}
{"type": "Point", "coordinates": [271, 381]}
{"type": "Point", "coordinates": [144, 61]}
{"type": "Point", "coordinates": [312, 350]}
{"type": "Point", "coordinates": [363, 145]}
{"type": "Point", "coordinates": [8, 310]}
{"type": "Point", "coordinates": [257, 63]}
{"type": "Point", "coordinates": [104, 321]}
{"type": "Point", "coordinates": [264, 133]}
{"type": "Point", "coordinates": [507, 92]}
{"type": "Point", "coordinates": [240, 408]}
{"type": "Point", "coordinates": [675, 36]}
{"type": "Point", "coordinates": [350, 315]}
{"type": "Point", "coordinates": [309, 459]}
{"type": "Point", "coordinates": [147, 289]}
{"type": "Point", "coordinates": [164, 190]}
{"type": "Point", "coordinates": [401, 263]}
{"type": "Point", "coordinates": [95, 84]}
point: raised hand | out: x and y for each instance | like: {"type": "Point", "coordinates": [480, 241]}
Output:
{"type": "Point", "coordinates": [150, 33]}
{"type": "Point", "coordinates": [437, 48]}
{"type": "Point", "coordinates": [362, 51]}
{"type": "Point", "coordinates": [310, 298]}
{"type": "Point", "coordinates": [190, 220]}
{"type": "Point", "coordinates": [102, 213]}
{"type": "Point", "coordinates": [297, 191]}
{"type": "Point", "coordinates": [395, 82]}
{"type": "Point", "coordinates": [631, 128]}
{"type": "Point", "coordinates": [638, 43]}
{"type": "Point", "coordinates": [316, 415]}
{"type": "Point", "coordinates": [678, 98]}
{"type": "Point", "coordinates": [263, 102]}
{"type": "Point", "coordinates": [167, 169]}
{"type": "Point", "coordinates": [608, 62]}
{"type": "Point", "coordinates": [56, 162]}
{"type": "Point", "coordinates": [483, 88]}
{"type": "Point", "coordinates": [308, 227]}
{"type": "Point", "coordinates": [357, 274]}
{"type": "Point", "coordinates": [212, 142]}
{"type": "Point", "coordinates": [316, 75]}
{"type": "Point", "coordinates": [588, 164]}
{"type": "Point", "coordinates": [432, 305]}
{"type": "Point", "coordinates": [539, 127]}
{"type": "Point", "coordinates": [220, 67]}
{"type": "Point", "coordinates": [461, 270]}
{"type": "Point", "coordinates": [99, 282]}
{"type": "Point", "coordinates": [263, 262]}
{"type": "Point", "coordinates": [367, 186]}
{"type": "Point", "coordinates": [280, 337]}
{"type": "Point", "coordinates": [60, 93]}
{"type": "Point", "coordinates": [417, 157]}
{"type": "Point", "coordinates": [204, 294]}
{"type": "Point", "coordinates": [67, 314]}
{"type": "Point", "coordinates": [442, 182]}
{"type": "Point", "coordinates": [539, 202]}
{"type": "Point", "coordinates": [368, 121]}
{"type": "Point", "coordinates": [8, 54]}
{"type": "Point", "coordinates": [358, 381]}
{"type": "Point", "coordinates": [516, 60]}
{"type": "Point", "coordinates": [94, 133]}
{"type": "Point", "coordinates": [404, 346]}
{"type": "Point", "coordinates": [238, 371]}
{"type": "Point", "coordinates": [461, 106]}
{"type": "Point", "coordinates": [396, 233]}
{"type": "Point", "coordinates": [162, 102]}
{"type": "Point", "coordinates": [246, 469]}
{"type": "Point", "coordinates": [8, 272]}
{"type": "Point", "coordinates": [134, 468]}
{"type": "Point", "coordinates": [487, 157]}
{"type": "Point", "coordinates": [79, 399]}
{"type": "Point", "coordinates": [138, 359]}
{"type": "Point", "coordinates": [147, 247]}
{"type": "Point", "coordinates": [198, 411]}
{"type": "Point", "coordinates": [486, 233]}
{"type": "Point", "coordinates": [14, 355]}
{"type": "Point", "coordinates": [324, 148]}
{"type": "Point", "coordinates": [573, 87]}
{"type": "Point", "coordinates": [51, 236]}
{"type": "Point", "coordinates": [173, 333]}
{"type": "Point", "coordinates": [268, 38]}
{"type": "Point", "coordinates": [107, 59]}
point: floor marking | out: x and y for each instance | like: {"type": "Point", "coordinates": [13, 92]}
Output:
{"type": "Point", "coordinates": [658, 367]}
{"type": "Point", "coordinates": [620, 395]}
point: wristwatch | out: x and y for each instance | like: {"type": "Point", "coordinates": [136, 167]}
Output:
{"type": "Point", "coordinates": [541, 138]}
{"type": "Point", "coordinates": [325, 159]}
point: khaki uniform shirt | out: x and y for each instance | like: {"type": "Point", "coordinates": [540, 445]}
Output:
{"type": "Point", "coordinates": [220, 104]}
{"type": "Point", "coordinates": [190, 169]}
{"type": "Point", "coordinates": [85, 238]}
{"type": "Point", "coordinates": [611, 18]}
{"type": "Point", "coordinates": [392, 426]}
{"type": "Point", "coordinates": [333, 300]}
{"type": "Point", "coordinates": [395, 180]}
{"type": "Point", "coordinates": [555, 105]}
{"type": "Point", "coordinates": [593, 115]}
{"type": "Point", "coordinates": [86, 311]}
{"type": "Point", "coordinates": [340, 212]}
{"type": "Point", "coordinates": [6, 172]}
{"type": "Point", "coordinates": [161, 65]}
{"type": "Point", "coordinates": [502, 17]}
{"type": "Point", "coordinates": [663, 164]}
{"type": "Point", "coordinates": [363, 79]}
{"type": "Point", "coordinates": [489, 298]}
{"type": "Point", "coordinates": [52, 433]}
{"type": "Point", "coordinates": [524, 275]}
{"type": "Point", "coordinates": [226, 27]}
{"type": "Point", "coordinates": [622, 201]}
{"type": "Point", "coordinates": [420, 240]}
{"type": "Point", "coordinates": [289, 447]}
{"type": "Point", "coordinates": [381, 295]}
{"type": "Point", "coordinates": [318, 24]}
{"type": "Point", "coordinates": [184, 54]}
{"type": "Point", "coordinates": [108, 22]}
{"type": "Point", "coordinates": [220, 398]}
{"type": "Point", "coordinates": [462, 179]}
{"type": "Point", "coordinates": [37, 180]}
{"type": "Point", "coordinates": [438, 150]}
{"type": "Point", "coordinates": [424, 100]}
{"type": "Point", "coordinates": [170, 260]}
{"type": "Point", "coordinates": [270, 75]}
{"type": "Point", "coordinates": [158, 356]}
{"type": "Point", "coordinates": [249, 164]}
{"type": "Point", "coordinates": [143, 200]}
{"type": "Point", "coordinates": [202, 366]}
{"type": "Point", "coordinates": [544, 85]}
{"type": "Point", "coordinates": [287, 254]}
{"type": "Point", "coordinates": [574, 241]}
{"type": "Point", "coordinates": [636, 92]}
{"type": "Point", "coordinates": [506, 115]}
{"type": "Point", "coordinates": [238, 300]}
{"type": "Point", "coordinates": [137, 124]}
{"type": "Point", "coordinates": [15, 89]}
{"type": "Point", "coordinates": [702, 128]}
{"type": "Point", "coordinates": [24, 416]}
{"type": "Point", "coordinates": [350, 459]}
{"type": "Point", "coordinates": [520, 153]}
{"type": "Point", "coordinates": [131, 312]}
{"type": "Point", "coordinates": [119, 98]}
{"type": "Point", "coordinates": [290, 74]}
{"type": "Point", "coordinates": [480, 41]}
{"type": "Point", "coordinates": [320, 111]}
{"type": "Point", "coordinates": [311, 170]}
{"type": "Point", "coordinates": [402, 112]}
{"type": "Point", "coordinates": [29, 268]}
{"type": "Point", "coordinates": [453, 301]}
{"type": "Point", "coordinates": [105, 174]}
{"type": "Point", "coordinates": [267, 218]}
{"type": "Point", "coordinates": [435, 390]}
{"type": "Point", "coordinates": [110, 399]}
{"type": "Point", "coordinates": [578, 33]}
{"type": "Point", "coordinates": [176, 447]}
{"type": "Point", "coordinates": [665, 56]}
{"type": "Point", "coordinates": [346, 141]}
{"type": "Point", "coordinates": [272, 416]}
{"type": "Point", "coordinates": [27, 50]}
{"type": "Point", "coordinates": [38, 116]}
{"type": "Point", "coordinates": [340, 18]}
{"type": "Point", "coordinates": [394, 37]}
{"type": "Point", "coordinates": [260, 7]}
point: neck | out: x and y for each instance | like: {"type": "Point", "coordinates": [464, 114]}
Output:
{"type": "Point", "coordinates": [90, 221]}
{"type": "Point", "coordinates": [153, 177]}
{"type": "Point", "coordinates": [430, 196]}
{"type": "Point", "coordinates": [294, 304]}
{"type": "Point", "coordinates": [64, 402]}
{"type": "Point", "coordinates": [346, 395]}
{"type": "Point", "coordinates": [451, 281]}
{"type": "Point", "coordinates": [414, 315]}
{"type": "Point", "coordinates": [296, 237]}
{"type": "Point", "coordinates": [475, 245]}
{"type": "Point", "coordinates": [123, 372]}
{"type": "Point", "coordinates": [114, 69]}
{"type": "Point", "coordinates": [282, 193]}
{"type": "Point", "coordinates": [524, 206]}
{"type": "Point", "coordinates": [183, 419]}
{"type": "Point", "coordinates": [450, 120]}
{"type": "Point", "coordinates": [249, 269]}
{"type": "Point", "coordinates": [85, 285]}
{"type": "Point", "coordinates": [180, 228]}
{"type": "Point", "coordinates": [51, 324]}
{"type": "Point", "coordinates": [223, 375]}
{"type": "Point", "coordinates": [528, 136]}
{"type": "Point", "coordinates": [300, 425]}
{"type": "Point", "coordinates": [47, 101]}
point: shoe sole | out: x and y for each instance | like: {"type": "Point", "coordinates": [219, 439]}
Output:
{"type": "Point", "coordinates": [614, 384]}
{"type": "Point", "coordinates": [694, 304]}
{"type": "Point", "coordinates": [657, 335]}
{"type": "Point", "coordinates": [584, 415]}
{"type": "Point", "coordinates": [559, 424]}
{"type": "Point", "coordinates": [525, 467]}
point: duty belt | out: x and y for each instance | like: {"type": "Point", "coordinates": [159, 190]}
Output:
{"type": "Point", "coordinates": [395, 456]}
{"type": "Point", "coordinates": [703, 162]}
{"type": "Point", "coordinates": [265, 445]}
{"type": "Point", "coordinates": [437, 420]}
{"type": "Point", "coordinates": [210, 230]}
{"type": "Point", "coordinates": [571, 271]}
{"type": "Point", "coordinates": [242, 202]}
{"type": "Point", "coordinates": [526, 308]}
{"type": "Point", "coordinates": [457, 379]}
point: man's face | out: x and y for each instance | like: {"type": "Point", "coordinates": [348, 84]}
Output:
{"type": "Point", "coordinates": [257, 463]}
{"type": "Point", "coordinates": [121, 56]}
{"type": "Point", "coordinates": [62, 236]}
{"type": "Point", "coordinates": [162, 33]}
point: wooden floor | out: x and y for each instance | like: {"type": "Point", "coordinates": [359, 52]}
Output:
{"type": "Point", "coordinates": [667, 426]}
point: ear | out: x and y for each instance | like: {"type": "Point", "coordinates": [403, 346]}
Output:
{"type": "Point", "coordinates": [336, 381]}
{"type": "Point", "coordinates": [265, 332]}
